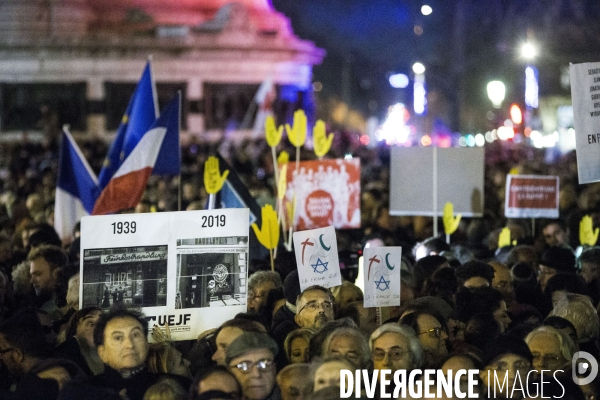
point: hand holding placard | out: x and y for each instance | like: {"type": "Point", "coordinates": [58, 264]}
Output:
{"type": "Point", "coordinates": [321, 142]}
{"type": "Point", "coordinates": [450, 221]}
{"type": "Point", "coordinates": [587, 235]}
{"type": "Point", "coordinates": [268, 234]}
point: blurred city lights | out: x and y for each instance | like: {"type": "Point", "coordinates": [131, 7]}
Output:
{"type": "Point", "coordinates": [394, 129]}
{"type": "Point", "coordinates": [365, 140]}
{"type": "Point", "coordinates": [531, 87]}
{"type": "Point", "coordinates": [317, 86]}
{"type": "Point", "coordinates": [348, 156]}
{"type": "Point", "coordinates": [505, 133]}
{"type": "Point", "coordinates": [528, 51]}
{"type": "Point", "coordinates": [479, 140]}
{"type": "Point", "coordinates": [496, 92]}
{"type": "Point", "coordinates": [418, 29]}
{"type": "Point", "coordinates": [419, 97]}
{"type": "Point", "coordinates": [515, 114]}
{"type": "Point", "coordinates": [399, 81]}
{"type": "Point", "coordinates": [426, 140]}
{"type": "Point", "coordinates": [470, 140]}
{"type": "Point", "coordinates": [462, 142]}
{"type": "Point", "coordinates": [426, 9]}
{"type": "Point", "coordinates": [418, 68]}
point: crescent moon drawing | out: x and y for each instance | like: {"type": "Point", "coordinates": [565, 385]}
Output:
{"type": "Point", "coordinates": [323, 244]}
{"type": "Point", "coordinates": [388, 263]}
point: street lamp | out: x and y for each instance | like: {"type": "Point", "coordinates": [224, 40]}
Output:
{"type": "Point", "coordinates": [529, 51]}
{"type": "Point", "coordinates": [496, 92]}
{"type": "Point", "coordinates": [419, 90]}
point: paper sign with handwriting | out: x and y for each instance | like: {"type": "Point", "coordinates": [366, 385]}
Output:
{"type": "Point", "coordinates": [317, 258]}
{"type": "Point", "coordinates": [382, 276]}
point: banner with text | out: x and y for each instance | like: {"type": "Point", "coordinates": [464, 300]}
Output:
{"type": "Point", "coordinates": [186, 269]}
{"type": "Point", "coordinates": [317, 258]}
{"type": "Point", "coordinates": [382, 276]}
{"type": "Point", "coordinates": [531, 196]}
{"type": "Point", "coordinates": [585, 95]}
{"type": "Point", "coordinates": [327, 193]}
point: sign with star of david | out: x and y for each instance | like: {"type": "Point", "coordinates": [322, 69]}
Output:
{"type": "Point", "coordinates": [382, 276]}
{"type": "Point", "coordinates": [317, 258]}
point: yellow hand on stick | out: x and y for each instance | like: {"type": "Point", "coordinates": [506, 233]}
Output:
{"type": "Point", "coordinates": [297, 133]}
{"type": "Point", "coordinates": [268, 235]}
{"type": "Point", "coordinates": [504, 238]}
{"type": "Point", "coordinates": [272, 132]}
{"type": "Point", "coordinates": [450, 221]}
{"type": "Point", "coordinates": [213, 180]}
{"type": "Point", "coordinates": [587, 235]}
{"type": "Point", "coordinates": [321, 142]}
{"type": "Point", "coordinates": [283, 158]}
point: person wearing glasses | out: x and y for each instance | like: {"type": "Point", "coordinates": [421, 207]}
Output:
{"type": "Point", "coordinates": [395, 347]}
{"type": "Point", "coordinates": [251, 359]}
{"type": "Point", "coordinates": [551, 349]}
{"type": "Point", "coordinates": [314, 307]}
{"type": "Point", "coordinates": [432, 334]}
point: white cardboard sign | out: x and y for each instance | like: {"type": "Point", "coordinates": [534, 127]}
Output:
{"type": "Point", "coordinates": [585, 94]}
{"type": "Point", "coordinates": [382, 276]}
{"type": "Point", "coordinates": [186, 269]}
{"type": "Point", "coordinates": [317, 258]}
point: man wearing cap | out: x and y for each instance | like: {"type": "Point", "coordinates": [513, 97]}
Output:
{"type": "Point", "coordinates": [251, 359]}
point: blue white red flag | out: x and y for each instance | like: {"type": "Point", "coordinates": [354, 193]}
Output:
{"type": "Point", "coordinates": [76, 187]}
{"type": "Point", "coordinates": [128, 184]}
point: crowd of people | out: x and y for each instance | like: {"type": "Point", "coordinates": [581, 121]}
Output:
{"type": "Point", "coordinates": [516, 312]}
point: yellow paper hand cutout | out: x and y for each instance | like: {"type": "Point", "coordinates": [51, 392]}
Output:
{"type": "Point", "coordinates": [587, 235]}
{"type": "Point", "coordinates": [450, 221]}
{"type": "Point", "coordinates": [281, 185]}
{"type": "Point", "coordinates": [272, 132]}
{"type": "Point", "coordinates": [321, 142]}
{"type": "Point", "coordinates": [297, 134]}
{"type": "Point", "coordinates": [283, 158]}
{"type": "Point", "coordinates": [213, 181]}
{"type": "Point", "coordinates": [504, 238]}
{"type": "Point", "coordinates": [514, 171]}
{"type": "Point", "coordinates": [268, 235]}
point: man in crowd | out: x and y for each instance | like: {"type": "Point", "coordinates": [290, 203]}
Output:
{"type": "Point", "coordinates": [45, 263]}
{"type": "Point", "coordinates": [251, 359]}
{"type": "Point", "coordinates": [314, 307]}
{"type": "Point", "coordinates": [259, 285]}
{"type": "Point", "coordinates": [395, 347]}
{"type": "Point", "coordinates": [552, 350]}
{"type": "Point", "coordinates": [121, 336]}
{"type": "Point", "coordinates": [555, 233]}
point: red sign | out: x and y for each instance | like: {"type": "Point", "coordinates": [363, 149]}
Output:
{"type": "Point", "coordinates": [531, 196]}
{"type": "Point", "coordinates": [327, 193]}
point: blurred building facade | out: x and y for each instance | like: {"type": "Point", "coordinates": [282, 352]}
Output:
{"type": "Point", "coordinates": [78, 61]}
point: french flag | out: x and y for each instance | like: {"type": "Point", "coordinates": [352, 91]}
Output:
{"type": "Point", "coordinates": [76, 187]}
{"type": "Point", "coordinates": [128, 184]}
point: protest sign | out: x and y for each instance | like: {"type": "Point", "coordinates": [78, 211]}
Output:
{"type": "Point", "coordinates": [531, 196]}
{"type": "Point", "coordinates": [185, 269]}
{"type": "Point", "coordinates": [424, 179]}
{"type": "Point", "coordinates": [317, 258]}
{"type": "Point", "coordinates": [327, 193]}
{"type": "Point", "coordinates": [585, 95]}
{"type": "Point", "coordinates": [382, 278]}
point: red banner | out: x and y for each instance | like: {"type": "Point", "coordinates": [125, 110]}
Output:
{"type": "Point", "coordinates": [327, 193]}
{"type": "Point", "coordinates": [530, 196]}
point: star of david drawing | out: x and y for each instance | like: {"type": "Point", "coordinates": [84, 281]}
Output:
{"type": "Point", "coordinates": [382, 282]}
{"type": "Point", "coordinates": [320, 266]}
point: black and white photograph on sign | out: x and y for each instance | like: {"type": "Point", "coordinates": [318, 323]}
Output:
{"type": "Point", "coordinates": [133, 276]}
{"type": "Point", "coordinates": [211, 272]}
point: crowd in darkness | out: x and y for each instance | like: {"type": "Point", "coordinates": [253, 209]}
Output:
{"type": "Point", "coordinates": [510, 311]}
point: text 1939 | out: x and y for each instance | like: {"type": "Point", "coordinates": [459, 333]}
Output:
{"type": "Point", "coordinates": [123, 227]}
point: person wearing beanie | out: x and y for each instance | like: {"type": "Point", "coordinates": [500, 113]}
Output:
{"type": "Point", "coordinates": [251, 359]}
{"type": "Point", "coordinates": [505, 355]}
{"type": "Point", "coordinates": [553, 261]}
{"type": "Point", "coordinates": [283, 320]}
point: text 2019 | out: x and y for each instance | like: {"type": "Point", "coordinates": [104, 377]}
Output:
{"type": "Point", "coordinates": [208, 221]}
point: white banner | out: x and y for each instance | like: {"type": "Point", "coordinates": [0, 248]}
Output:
{"type": "Point", "coordinates": [317, 258]}
{"type": "Point", "coordinates": [585, 94]}
{"type": "Point", "coordinates": [382, 276]}
{"type": "Point", "coordinates": [185, 269]}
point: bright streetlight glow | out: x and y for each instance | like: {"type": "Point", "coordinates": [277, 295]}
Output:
{"type": "Point", "coordinates": [496, 92]}
{"type": "Point", "coordinates": [399, 81]}
{"type": "Point", "coordinates": [418, 68]}
{"type": "Point", "coordinates": [528, 51]}
{"type": "Point", "coordinates": [426, 10]}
